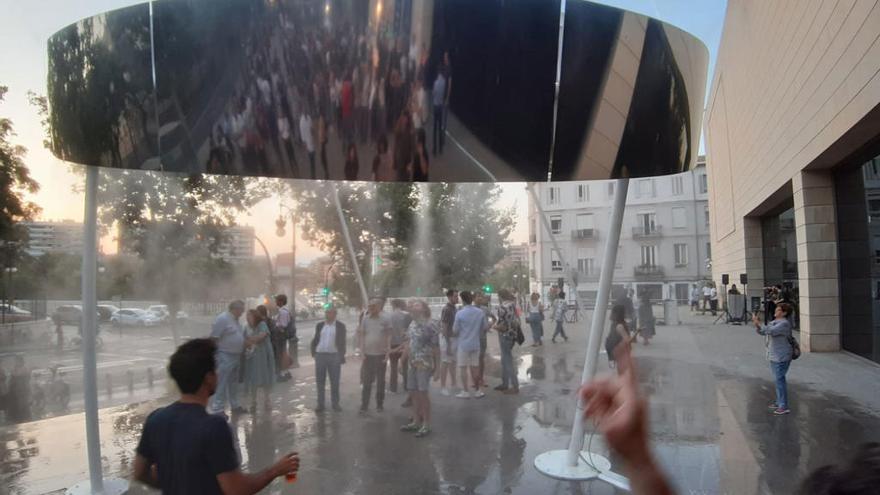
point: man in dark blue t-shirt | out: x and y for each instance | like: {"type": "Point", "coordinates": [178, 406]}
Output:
{"type": "Point", "coordinates": [185, 450]}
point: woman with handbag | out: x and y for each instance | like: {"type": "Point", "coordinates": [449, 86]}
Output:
{"type": "Point", "coordinates": [781, 349]}
{"type": "Point", "coordinates": [259, 368]}
{"type": "Point", "coordinates": [507, 325]}
{"type": "Point", "coordinates": [536, 319]}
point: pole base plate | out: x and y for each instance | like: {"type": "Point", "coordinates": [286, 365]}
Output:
{"type": "Point", "coordinates": [112, 486]}
{"type": "Point", "coordinates": [555, 465]}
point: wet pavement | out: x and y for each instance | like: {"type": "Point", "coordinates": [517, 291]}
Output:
{"type": "Point", "coordinates": [708, 385]}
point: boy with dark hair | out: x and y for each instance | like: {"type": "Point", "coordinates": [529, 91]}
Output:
{"type": "Point", "coordinates": [185, 450]}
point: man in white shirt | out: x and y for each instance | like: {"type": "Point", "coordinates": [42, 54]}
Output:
{"type": "Point", "coordinates": [328, 349]}
{"type": "Point", "coordinates": [707, 296]}
{"type": "Point", "coordinates": [374, 339]}
{"type": "Point", "coordinates": [470, 323]}
{"type": "Point", "coordinates": [307, 134]}
{"type": "Point", "coordinates": [227, 333]}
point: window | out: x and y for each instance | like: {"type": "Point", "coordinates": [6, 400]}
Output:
{"type": "Point", "coordinates": [677, 185]}
{"type": "Point", "coordinates": [583, 193]}
{"type": "Point", "coordinates": [556, 224]}
{"type": "Point", "coordinates": [553, 195]}
{"type": "Point", "coordinates": [649, 255]}
{"type": "Point", "coordinates": [585, 221]}
{"type": "Point", "coordinates": [681, 254]}
{"type": "Point", "coordinates": [555, 261]}
{"type": "Point", "coordinates": [679, 219]}
{"type": "Point", "coordinates": [704, 184]}
{"type": "Point", "coordinates": [709, 250]}
{"type": "Point", "coordinates": [534, 266]}
{"type": "Point", "coordinates": [706, 212]}
{"type": "Point", "coordinates": [610, 190]}
{"type": "Point", "coordinates": [585, 260]}
{"type": "Point", "coordinates": [618, 262]}
{"type": "Point", "coordinates": [646, 223]}
{"type": "Point", "coordinates": [645, 188]}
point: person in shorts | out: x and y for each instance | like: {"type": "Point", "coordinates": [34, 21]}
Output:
{"type": "Point", "coordinates": [470, 323]}
{"type": "Point", "coordinates": [448, 343]}
{"type": "Point", "coordinates": [423, 352]}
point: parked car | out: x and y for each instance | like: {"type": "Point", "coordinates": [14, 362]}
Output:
{"type": "Point", "coordinates": [134, 317]}
{"type": "Point", "coordinates": [164, 314]}
{"type": "Point", "coordinates": [69, 314]}
{"type": "Point", "coordinates": [12, 313]}
{"type": "Point", "coordinates": [105, 312]}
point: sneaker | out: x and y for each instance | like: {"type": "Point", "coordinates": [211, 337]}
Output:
{"type": "Point", "coordinates": [410, 427]}
{"type": "Point", "coordinates": [423, 431]}
{"type": "Point", "coordinates": [772, 406]}
{"type": "Point", "coordinates": [479, 394]}
{"type": "Point", "coordinates": [501, 388]}
{"type": "Point", "coordinates": [319, 409]}
{"type": "Point", "coordinates": [779, 411]}
{"type": "Point", "coordinates": [362, 411]}
{"type": "Point", "coordinates": [379, 408]}
{"type": "Point", "coordinates": [444, 392]}
{"type": "Point", "coordinates": [463, 395]}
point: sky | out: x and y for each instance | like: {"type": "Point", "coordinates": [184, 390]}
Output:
{"type": "Point", "coordinates": [25, 26]}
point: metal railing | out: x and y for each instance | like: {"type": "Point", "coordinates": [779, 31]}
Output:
{"type": "Point", "coordinates": [643, 231]}
{"type": "Point", "coordinates": [584, 234]}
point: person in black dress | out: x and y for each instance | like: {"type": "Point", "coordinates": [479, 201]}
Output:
{"type": "Point", "coordinates": [420, 158]}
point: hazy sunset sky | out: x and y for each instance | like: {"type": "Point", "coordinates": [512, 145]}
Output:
{"type": "Point", "coordinates": [25, 26]}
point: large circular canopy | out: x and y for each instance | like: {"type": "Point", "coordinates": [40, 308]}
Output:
{"type": "Point", "coordinates": [529, 90]}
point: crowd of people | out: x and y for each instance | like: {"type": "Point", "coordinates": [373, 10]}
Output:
{"type": "Point", "coordinates": [302, 84]}
{"type": "Point", "coordinates": [184, 448]}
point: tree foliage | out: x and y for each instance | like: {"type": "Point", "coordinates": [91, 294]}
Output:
{"type": "Point", "coordinates": [428, 236]}
{"type": "Point", "coordinates": [15, 182]}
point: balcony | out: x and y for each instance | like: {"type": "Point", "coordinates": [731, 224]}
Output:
{"type": "Point", "coordinates": [586, 276]}
{"type": "Point", "coordinates": [649, 272]}
{"type": "Point", "coordinates": [652, 231]}
{"type": "Point", "coordinates": [533, 238]}
{"type": "Point", "coordinates": [581, 234]}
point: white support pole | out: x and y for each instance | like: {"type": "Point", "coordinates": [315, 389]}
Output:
{"type": "Point", "coordinates": [90, 328]}
{"type": "Point", "coordinates": [564, 464]}
{"type": "Point", "coordinates": [354, 262]}
{"type": "Point", "coordinates": [606, 276]}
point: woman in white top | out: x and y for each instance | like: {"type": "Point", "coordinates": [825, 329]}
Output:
{"type": "Point", "coordinates": [536, 319]}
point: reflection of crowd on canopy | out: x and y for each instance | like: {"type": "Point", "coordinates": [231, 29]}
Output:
{"type": "Point", "coordinates": [307, 87]}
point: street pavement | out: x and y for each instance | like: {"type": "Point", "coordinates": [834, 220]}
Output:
{"type": "Point", "coordinates": [708, 385]}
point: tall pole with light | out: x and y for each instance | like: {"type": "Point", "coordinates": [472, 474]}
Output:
{"type": "Point", "coordinates": [291, 301]}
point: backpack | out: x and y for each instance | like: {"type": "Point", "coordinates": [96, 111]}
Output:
{"type": "Point", "coordinates": [795, 347]}
{"type": "Point", "coordinates": [509, 325]}
{"type": "Point", "coordinates": [290, 329]}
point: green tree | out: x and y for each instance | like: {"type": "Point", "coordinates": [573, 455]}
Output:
{"type": "Point", "coordinates": [15, 182]}
{"type": "Point", "coordinates": [374, 212]}
{"type": "Point", "coordinates": [168, 220]}
{"type": "Point", "coordinates": [430, 236]}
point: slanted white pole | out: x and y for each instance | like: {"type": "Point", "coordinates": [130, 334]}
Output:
{"type": "Point", "coordinates": [354, 262]}
{"type": "Point", "coordinates": [597, 325]}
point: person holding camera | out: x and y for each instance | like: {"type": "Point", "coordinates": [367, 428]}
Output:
{"type": "Point", "coordinates": [777, 334]}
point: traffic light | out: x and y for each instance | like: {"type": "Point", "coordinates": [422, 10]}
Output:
{"type": "Point", "coordinates": [487, 288]}
{"type": "Point", "coordinates": [325, 291]}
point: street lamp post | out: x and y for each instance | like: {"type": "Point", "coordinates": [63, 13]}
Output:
{"type": "Point", "coordinates": [291, 301]}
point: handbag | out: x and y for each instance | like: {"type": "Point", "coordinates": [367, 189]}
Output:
{"type": "Point", "coordinates": [795, 347]}
{"type": "Point", "coordinates": [286, 360]}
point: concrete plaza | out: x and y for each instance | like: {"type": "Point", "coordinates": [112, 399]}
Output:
{"type": "Point", "coordinates": [709, 386]}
